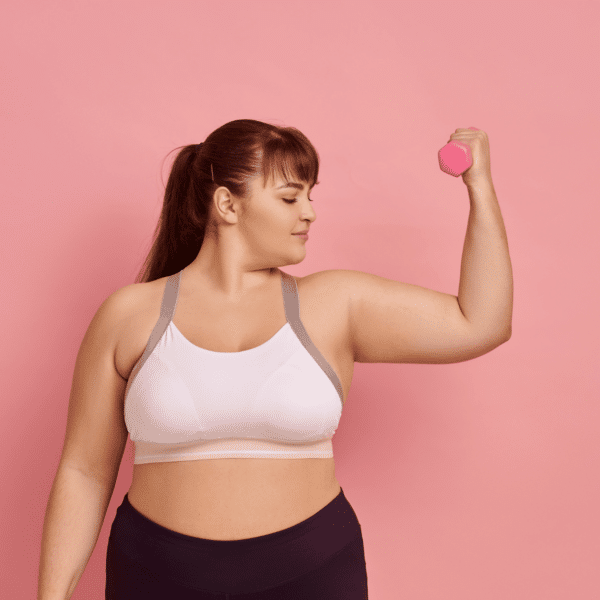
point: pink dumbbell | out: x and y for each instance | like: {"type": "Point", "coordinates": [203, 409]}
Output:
{"type": "Point", "coordinates": [455, 157]}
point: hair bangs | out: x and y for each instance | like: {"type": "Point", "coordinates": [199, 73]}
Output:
{"type": "Point", "coordinates": [288, 157]}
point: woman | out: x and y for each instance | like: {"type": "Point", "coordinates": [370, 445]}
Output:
{"type": "Point", "coordinates": [215, 356]}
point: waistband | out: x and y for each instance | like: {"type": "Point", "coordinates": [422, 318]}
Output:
{"type": "Point", "coordinates": [243, 565]}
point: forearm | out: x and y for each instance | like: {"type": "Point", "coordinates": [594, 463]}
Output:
{"type": "Point", "coordinates": [74, 516]}
{"type": "Point", "coordinates": [485, 292]}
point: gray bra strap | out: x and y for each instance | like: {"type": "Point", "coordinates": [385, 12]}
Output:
{"type": "Point", "coordinates": [292, 314]}
{"type": "Point", "coordinates": [167, 309]}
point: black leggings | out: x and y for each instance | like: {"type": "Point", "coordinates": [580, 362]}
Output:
{"type": "Point", "coordinates": [319, 558]}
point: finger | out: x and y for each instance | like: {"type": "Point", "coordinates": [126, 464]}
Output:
{"type": "Point", "coordinates": [464, 136]}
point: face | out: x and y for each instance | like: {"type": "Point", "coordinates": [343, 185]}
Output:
{"type": "Point", "coordinates": [274, 214]}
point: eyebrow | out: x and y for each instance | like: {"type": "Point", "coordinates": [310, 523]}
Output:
{"type": "Point", "coordinates": [291, 184]}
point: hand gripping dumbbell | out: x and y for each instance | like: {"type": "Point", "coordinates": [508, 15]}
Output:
{"type": "Point", "coordinates": [455, 157]}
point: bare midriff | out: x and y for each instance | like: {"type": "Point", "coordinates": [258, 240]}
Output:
{"type": "Point", "coordinates": [233, 498]}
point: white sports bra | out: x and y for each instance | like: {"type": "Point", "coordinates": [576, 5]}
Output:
{"type": "Point", "coordinates": [281, 399]}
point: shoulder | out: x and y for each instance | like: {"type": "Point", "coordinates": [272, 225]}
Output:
{"type": "Point", "coordinates": [120, 306]}
{"type": "Point", "coordinates": [104, 332]}
{"type": "Point", "coordinates": [128, 310]}
{"type": "Point", "coordinates": [128, 298]}
{"type": "Point", "coordinates": [330, 288]}
{"type": "Point", "coordinates": [332, 282]}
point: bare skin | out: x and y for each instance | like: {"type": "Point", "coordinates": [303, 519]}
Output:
{"type": "Point", "coordinates": [230, 299]}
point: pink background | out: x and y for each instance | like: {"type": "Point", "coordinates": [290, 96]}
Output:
{"type": "Point", "coordinates": [477, 480]}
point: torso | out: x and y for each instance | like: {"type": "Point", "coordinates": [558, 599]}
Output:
{"type": "Point", "coordinates": [237, 498]}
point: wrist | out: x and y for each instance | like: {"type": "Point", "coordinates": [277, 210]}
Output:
{"type": "Point", "coordinates": [480, 183]}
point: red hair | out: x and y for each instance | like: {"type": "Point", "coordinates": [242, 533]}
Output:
{"type": "Point", "coordinates": [232, 154]}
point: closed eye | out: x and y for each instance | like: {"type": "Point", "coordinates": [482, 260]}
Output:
{"type": "Point", "coordinates": [292, 201]}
